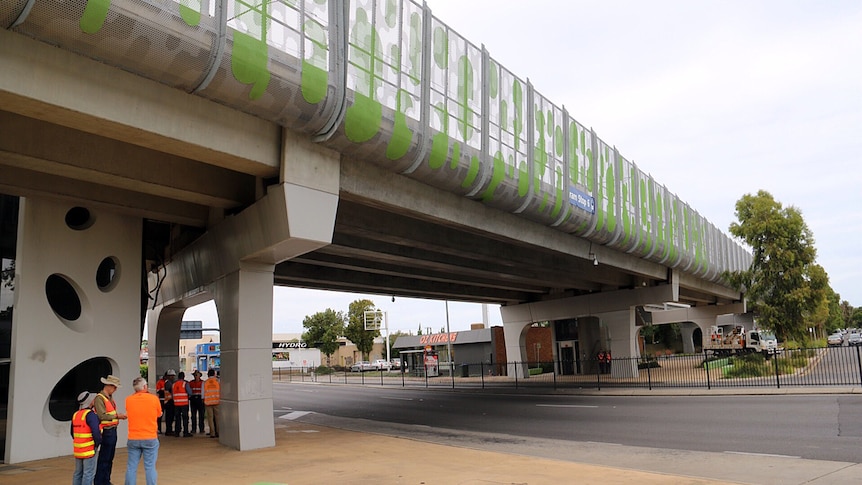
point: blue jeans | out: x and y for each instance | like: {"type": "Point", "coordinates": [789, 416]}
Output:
{"type": "Point", "coordinates": [106, 456]}
{"type": "Point", "coordinates": [85, 471]}
{"type": "Point", "coordinates": [149, 449]}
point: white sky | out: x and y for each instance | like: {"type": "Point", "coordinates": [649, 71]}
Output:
{"type": "Point", "coordinates": [715, 99]}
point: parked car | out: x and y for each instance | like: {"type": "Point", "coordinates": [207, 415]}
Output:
{"type": "Point", "coordinates": [854, 339]}
{"type": "Point", "coordinates": [396, 363]}
{"type": "Point", "coordinates": [361, 366]}
{"type": "Point", "coordinates": [381, 364]}
{"type": "Point", "coordinates": [835, 340]}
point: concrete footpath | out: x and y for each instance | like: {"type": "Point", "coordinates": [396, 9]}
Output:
{"type": "Point", "coordinates": [309, 454]}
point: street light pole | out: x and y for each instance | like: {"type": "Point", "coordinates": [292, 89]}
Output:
{"type": "Point", "coordinates": [449, 340]}
{"type": "Point", "coordinates": [386, 325]}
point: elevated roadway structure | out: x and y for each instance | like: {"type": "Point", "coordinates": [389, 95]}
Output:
{"type": "Point", "coordinates": [156, 154]}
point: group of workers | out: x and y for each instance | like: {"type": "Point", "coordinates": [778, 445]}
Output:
{"type": "Point", "coordinates": [94, 425]}
{"type": "Point", "coordinates": [604, 360]}
{"type": "Point", "coordinates": [179, 397]}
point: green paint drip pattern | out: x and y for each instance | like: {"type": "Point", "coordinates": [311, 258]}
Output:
{"type": "Point", "coordinates": [94, 16]}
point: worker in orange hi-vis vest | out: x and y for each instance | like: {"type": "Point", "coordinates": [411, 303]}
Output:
{"type": "Point", "coordinates": [86, 438]}
{"type": "Point", "coordinates": [106, 408]}
{"type": "Point", "coordinates": [212, 398]}
{"type": "Point", "coordinates": [160, 391]}
{"type": "Point", "coordinates": [181, 392]}
{"type": "Point", "coordinates": [196, 403]}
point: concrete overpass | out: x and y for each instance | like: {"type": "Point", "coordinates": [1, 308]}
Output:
{"type": "Point", "coordinates": [154, 156]}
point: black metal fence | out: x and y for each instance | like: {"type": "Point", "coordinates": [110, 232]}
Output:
{"type": "Point", "coordinates": [833, 366]}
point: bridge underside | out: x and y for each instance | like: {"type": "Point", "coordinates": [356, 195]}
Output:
{"type": "Point", "coordinates": [210, 195]}
{"type": "Point", "coordinates": [381, 248]}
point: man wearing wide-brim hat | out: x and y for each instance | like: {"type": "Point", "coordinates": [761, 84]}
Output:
{"type": "Point", "coordinates": [109, 417]}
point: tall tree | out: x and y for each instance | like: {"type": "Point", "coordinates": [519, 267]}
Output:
{"type": "Point", "coordinates": [393, 337]}
{"type": "Point", "coordinates": [322, 331]}
{"type": "Point", "coordinates": [783, 285]}
{"type": "Point", "coordinates": [846, 313]}
{"type": "Point", "coordinates": [835, 320]}
{"type": "Point", "coordinates": [355, 330]}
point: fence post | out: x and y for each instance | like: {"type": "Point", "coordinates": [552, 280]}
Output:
{"type": "Point", "coordinates": [515, 370]}
{"type": "Point", "coordinates": [598, 377]}
{"type": "Point", "coordinates": [452, 371]}
{"type": "Point", "coordinates": [777, 380]}
{"type": "Point", "coordinates": [859, 364]}
{"type": "Point", "coordinates": [482, 373]}
{"type": "Point", "coordinates": [426, 375]}
{"type": "Point", "coordinates": [554, 371]}
{"type": "Point", "coordinates": [649, 374]}
{"type": "Point", "coordinates": [706, 366]}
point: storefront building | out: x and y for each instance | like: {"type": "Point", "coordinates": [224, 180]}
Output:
{"type": "Point", "coordinates": [474, 352]}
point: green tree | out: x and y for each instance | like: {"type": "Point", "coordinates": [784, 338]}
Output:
{"type": "Point", "coordinates": [666, 334]}
{"type": "Point", "coordinates": [355, 330]}
{"type": "Point", "coordinates": [835, 320]}
{"type": "Point", "coordinates": [322, 331]}
{"type": "Point", "coordinates": [783, 285]}
{"type": "Point", "coordinates": [393, 337]}
{"type": "Point", "coordinates": [846, 313]}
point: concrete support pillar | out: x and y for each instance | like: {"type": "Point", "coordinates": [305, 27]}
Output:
{"type": "Point", "coordinates": [244, 304]}
{"type": "Point", "coordinates": [515, 335]}
{"type": "Point", "coordinates": [622, 335]}
{"type": "Point", "coordinates": [163, 335]}
{"type": "Point", "coordinates": [687, 330]}
{"type": "Point", "coordinates": [590, 341]}
{"type": "Point", "coordinates": [77, 318]}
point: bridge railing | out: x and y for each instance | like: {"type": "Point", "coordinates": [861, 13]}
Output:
{"type": "Point", "coordinates": [810, 367]}
{"type": "Point", "coordinates": [390, 83]}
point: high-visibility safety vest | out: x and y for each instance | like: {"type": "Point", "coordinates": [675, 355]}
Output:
{"type": "Point", "coordinates": [160, 386]}
{"type": "Point", "coordinates": [83, 445]}
{"type": "Point", "coordinates": [212, 389]}
{"type": "Point", "coordinates": [111, 411]}
{"type": "Point", "coordinates": [197, 388]}
{"type": "Point", "coordinates": [181, 397]}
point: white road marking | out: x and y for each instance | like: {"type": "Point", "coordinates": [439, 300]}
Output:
{"type": "Point", "coordinates": [397, 398]}
{"type": "Point", "coordinates": [761, 454]}
{"type": "Point", "coordinates": [294, 415]}
{"type": "Point", "coordinates": [564, 406]}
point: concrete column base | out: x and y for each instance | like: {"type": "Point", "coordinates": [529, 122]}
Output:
{"type": "Point", "coordinates": [622, 334]}
{"type": "Point", "coordinates": [244, 305]}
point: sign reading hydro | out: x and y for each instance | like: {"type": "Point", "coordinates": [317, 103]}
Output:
{"type": "Point", "coordinates": [582, 199]}
{"type": "Point", "coordinates": [289, 345]}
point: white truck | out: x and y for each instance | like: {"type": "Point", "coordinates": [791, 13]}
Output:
{"type": "Point", "coordinates": [726, 340]}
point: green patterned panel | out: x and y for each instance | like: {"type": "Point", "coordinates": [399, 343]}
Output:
{"type": "Point", "coordinates": [94, 16]}
{"type": "Point", "coordinates": [314, 72]}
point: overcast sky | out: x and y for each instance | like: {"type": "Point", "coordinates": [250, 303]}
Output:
{"type": "Point", "coordinates": [715, 99]}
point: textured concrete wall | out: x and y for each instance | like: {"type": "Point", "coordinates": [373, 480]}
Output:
{"type": "Point", "coordinates": [46, 346]}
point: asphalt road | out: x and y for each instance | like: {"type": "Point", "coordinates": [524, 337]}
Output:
{"type": "Point", "coordinates": [813, 427]}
